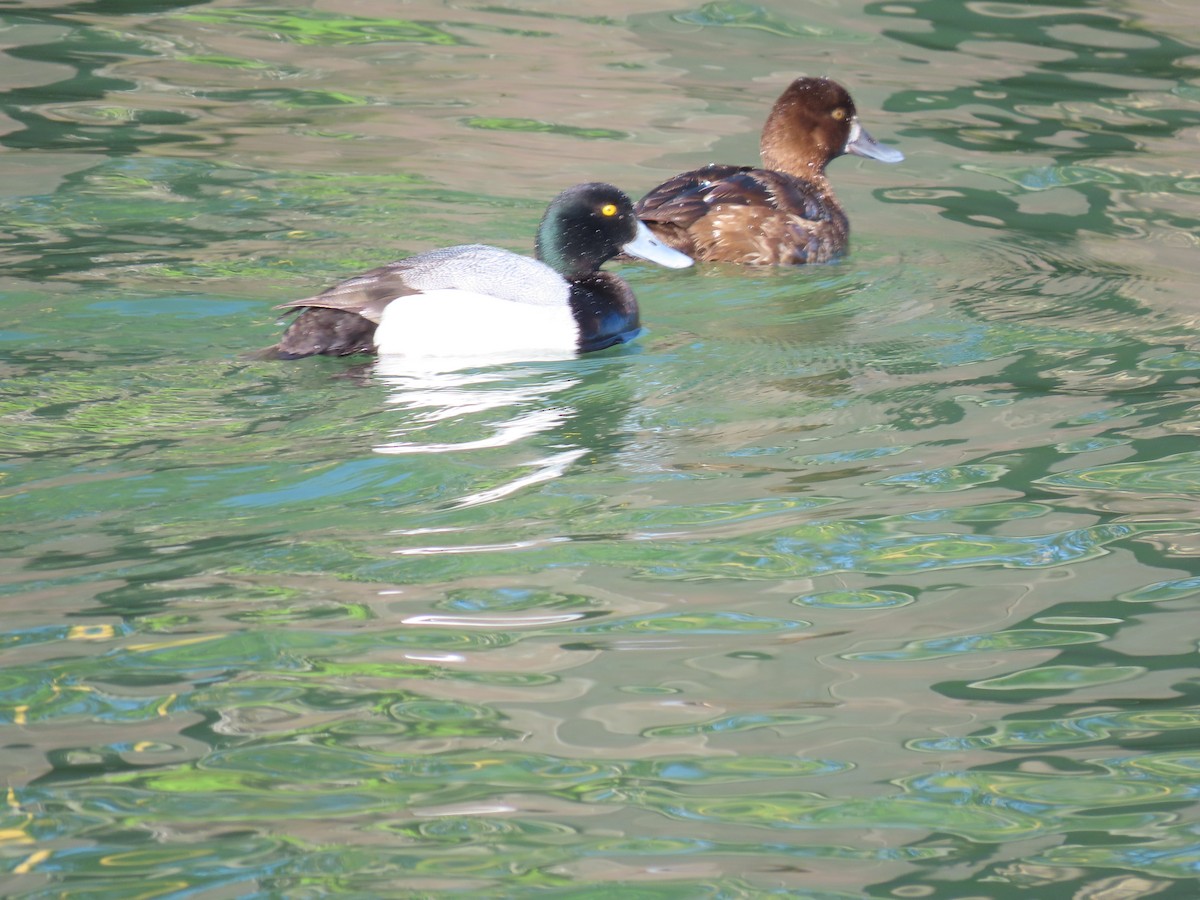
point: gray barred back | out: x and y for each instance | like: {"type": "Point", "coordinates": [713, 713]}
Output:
{"type": "Point", "coordinates": [486, 270]}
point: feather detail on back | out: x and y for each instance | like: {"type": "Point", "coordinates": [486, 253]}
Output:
{"type": "Point", "coordinates": [754, 215]}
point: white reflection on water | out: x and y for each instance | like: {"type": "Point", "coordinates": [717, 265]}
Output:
{"type": "Point", "coordinates": [545, 469]}
{"type": "Point", "coordinates": [478, 548]}
{"type": "Point", "coordinates": [521, 621]}
{"type": "Point", "coordinates": [485, 408]}
{"type": "Point", "coordinates": [440, 394]}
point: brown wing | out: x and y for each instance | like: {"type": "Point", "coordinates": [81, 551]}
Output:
{"type": "Point", "coordinates": [332, 332]}
{"type": "Point", "coordinates": [739, 214]}
{"type": "Point", "coordinates": [674, 206]}
{"type": "Point", "coordinates": [342, 319]}
{"type": "Point", "coordinates": [364, 295]}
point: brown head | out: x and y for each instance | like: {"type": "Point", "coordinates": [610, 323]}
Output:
{"type": "Point", "coordinates": [814, 121]}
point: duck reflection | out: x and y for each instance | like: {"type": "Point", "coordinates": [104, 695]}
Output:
{"type": "Point", "coordinates": [545, 410]}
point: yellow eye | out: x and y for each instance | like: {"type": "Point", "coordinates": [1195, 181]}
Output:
{"type": "Point", "coordinates": [608, 209]}
{"type": "Point", "coordinates": [839, 114]}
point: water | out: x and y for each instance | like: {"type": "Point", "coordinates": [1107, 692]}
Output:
{"type": "Point", "coordinates": [873, 580]}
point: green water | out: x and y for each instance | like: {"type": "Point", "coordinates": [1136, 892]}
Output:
{"type": "Point", "coordinates": [877, 579]}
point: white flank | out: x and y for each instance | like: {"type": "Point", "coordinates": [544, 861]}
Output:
{"type": "Point", "coordinates": [466, 325]}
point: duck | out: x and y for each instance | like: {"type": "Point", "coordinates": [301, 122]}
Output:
{"type": "Point", "coordinates": [475, 300]}
{"type": "Point", "coordinates": [783, 213]}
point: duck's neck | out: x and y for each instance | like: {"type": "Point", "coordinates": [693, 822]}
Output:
{"type": "Point", "coordinates": [784, 148]}
{"type": "Point", "coordinates": [552, 248]}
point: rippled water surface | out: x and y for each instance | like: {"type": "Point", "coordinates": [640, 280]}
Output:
{"type": "Point", "coordinates": [877, 579]}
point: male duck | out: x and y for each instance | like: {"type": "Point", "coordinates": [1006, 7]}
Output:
{"type": "Point", "coordinates": [784, 213]}
{"type": "Point", "coordinates": [478, 301]}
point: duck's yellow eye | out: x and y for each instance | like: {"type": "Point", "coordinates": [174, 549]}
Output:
{"type": "Point", "coordinates": [608, 209]}
{"type": "Point", "coordinates": [839, 114]}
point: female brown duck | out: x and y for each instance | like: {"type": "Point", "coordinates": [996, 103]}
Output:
{"type": "Point", "coordinates": [784, 213]}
